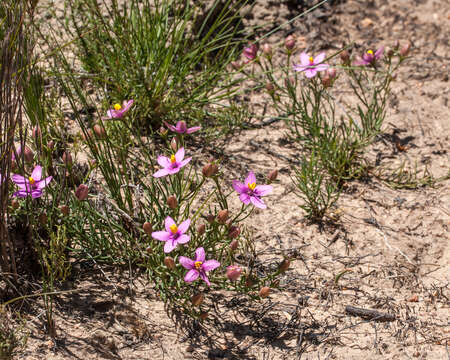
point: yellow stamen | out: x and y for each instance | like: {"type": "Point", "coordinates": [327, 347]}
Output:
{"type": "Point", "coordinates": [31, 180]}
{"type": "Point", "coordinates": [311, 60]}
{"type": "Point", "coordinates": [370, 52]}
{"type": "Point", "coordinates": [117, 107]}
{"type": "Point", "coordinates": [252, 186]}
{"type": "Point", "coordinates": [198, 265]}
{"type": "Point", "coordinates": [172, 159]}
{"type": "Point", "coordinates": [173, 228]}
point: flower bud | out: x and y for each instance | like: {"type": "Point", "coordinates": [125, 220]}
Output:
{"type": "Point", "coordinates": [149, 249]}
{"type": "Point", "coordinates": [203, 315]}
{"type": "Point", "coordinates": [148, 228]}
{"type": "Point", "coordinates": [269, 87]}
{"type": "Point", "coordinates": [67, 158]}
{"type": "Point", "coordinates": [51, 145]}
{"type": "Point", "coordinates": [233, 232]}
{"type": "Point", "coordinates": [390, 52]}
{"type": "Point", "coordinates": [249, 282]}
{"type": "Point", "coordinates": [172, 202]}
{"type": "Point", "coordinates": [65, 210]}
{"type": "Point", "coordinates": [272, 175]}
{"type": "Point", "coordinates": [169, 262]}
{"type": "Point", "coordinates": [345, 57]}
{"type": "Point", "coordinates": [331, 73]}
{"type": "Point", "coordinates": [236, 65]}
{"type": "Point", "coordinates": [15, 204]}
{"type": "Point", "coordinates": [43, 218]}
{"type": "Point", "coordinates": [289, 42]}
{"type": "Point", "coordinates": [222, 216]}
{"type": "Point", "coordinates": [201, 229]}
{"type": "Point", "coordinates": [197, 299]}
{"type": "Point", "coordinates": [36, 133]}
{"type": "Point", "coordinates": [289, 81]}
{"type": "Point", "coordinates": [404, 51]}
{"type": "Point", "coordinates": [88, 135]}
{"type": "Point", "coordinates": [174, 144]}
{"type": "Point", "coordinates": [396, 44]}
{"type": "Point", "coordinates": [163, 131]}
{"type": "Point", "coordinates": [267, 50]}
{"type": "Point", "coordinates": [251, 51]}
{"type": "Point", "coordinates": [284, 265]}
{"type": "Point", "coordinates": [210, 170]}
{"type": "Point", "coordinates": [210, 218]}
{"type": "Point", "coordinates": [82, 191]}
{"type": "Point", "coordinates": [99, 131]}
{"type": "Point", "coordinates": [233, 272]}
{"type": "Point", "coordinates": [28, 154]}
{"type": "Point", "coordinates": [234, 245]}
{"type": "Point", "coordinates": [264, 292]}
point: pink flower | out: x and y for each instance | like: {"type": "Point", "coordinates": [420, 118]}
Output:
{"type": "Point", "coordinates": [173, 235]}
{"type": "Point", "coordinates": [32, 185]}
{"type": "Point", "coordinates": [310, 65]}
{"type": "Point", "coordinates": [119, 111]}
{"type": "Point", "coordinates": [171, 165]}
{"type": "Point", "coordinates": [233, 272]}
{"type": "Point", "coordinates": [181, 128]}
{"type": "Point", "coordinates": [198, 266]}
{"type": "Point", "coordinates": [250, 192]}
{"type": "Point", "coordinates": [369, 57]}
{"type": "Point", "coordinates": [250, 52]}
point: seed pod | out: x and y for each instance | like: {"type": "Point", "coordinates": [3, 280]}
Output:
{"type": "Point", "coordinates": [222, 216]}
{"type": "Point", "coordinates": [148, 228]}
{"type": "Point", "coordinates": [201, 229]}
{"type": "Point", "coordinates": [67, 158]}
{"type": "Point", "coordinates": [234, 245]}
{"type": "Point", "coordinates": [210, 170]}
{"type": "Point", "coordinates": [82, 191]}
{"type": "Point", "coordinates": [284, 265]}
{"type": "Point", "coordinates": [169, 262]}
{"type": "Point", "coordinates": [289, 42]}
{"type": "Point", "coordinates": [272, 175]}
{"type": "Point", "coordinates": [64, 210]}
{"type": "Point", "coordinates": [172, 202]}
{"type": "Point", "coordinates": [99, 131]}
{"type": "Point", "coordinates": [264, 292]}
{"type": "Point", "coordinates": [197, 299]}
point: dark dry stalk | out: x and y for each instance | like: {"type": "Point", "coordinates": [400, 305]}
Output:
{"type": "Point", "coordinates": [13, 61]}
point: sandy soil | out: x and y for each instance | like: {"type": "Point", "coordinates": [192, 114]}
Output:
{"type": "Point", "coordinates": [395, 243]}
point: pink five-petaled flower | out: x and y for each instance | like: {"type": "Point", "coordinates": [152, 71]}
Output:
{"type": "Point", "coordinates": [250, 192]}
{"type": "Point", "coordinates": [311, 65]}
{"type": "Point", "coordinates": [171, 165]}
{"type": "Point", "coordinates": [251, 51]}
{"type": "Point", "coordinates": [119, 111]}
{"type": "Point", "coordinates": [181, 128]}
{"type": "Point", "coordinates": [173, 235]}
{"type": "Point", "coordinates": [32, 185]}
{"type": "Point", "coordinates": [198, 266]}
{"type": "Point", "coordinates": [370, 57]}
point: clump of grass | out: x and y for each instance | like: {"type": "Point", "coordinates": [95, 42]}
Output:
{"type": "Point", "coordinates": [12, 336]}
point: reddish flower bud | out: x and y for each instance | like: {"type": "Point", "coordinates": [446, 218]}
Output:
{"type": "Point", "coordinates": [251, 51]}
{"type": "Point", "coordinates": [236, 65]}
{"type": "Point", "coordinates": [390, 52]}
{"type": "Point", "coordinates": [51, 144]}
{"type": "Point", "coordinates": [15, 204]}
{"type": "Point", "coordinates": [172, 202]}
{"type": "Point", "coordinates": [81, 193]}
{"type": "Point", "coordinates": [264, 292]}
{"type": "Point", "coordinates": [222, 216]}
{"type": "Point", "coordinates": [67, 158]}
{"type": "Point", "coordinates": [332, 73]}
{"type": "Point", "coordinates": [272, 175]}
{"type": "Point", "coordinates": [210, 170]}
{"type": "Point", "coordinates": [284, 265]}
{"type": "Point", "coordinates": [169, 262]}
{"type": "Point", "coordinates": [269, 87]}
{"type": "Point", "coordinates": [289, 42]}
{"type": "Point", "coordinates": [37, 133]}
{"type": "Point", "coordinates": [174, 144]}
{"type": "Point", "coordinates": [396, 44]}
{"type": "Point", "coordinates": [43, 218]}
{"type": "Point", "coordinates": [345, 57]}
{"type": "Point", "coordinates": [404, 51]}
{"type": "Point", "coordinates": [233, 272]}
{"type": "Point", "coordinates": [267, 49]}
{"type": "Point", "coordinates": [148, 228]}
{"type": "Point", "coordinates": [210, 218]}
{"type": "Point", "coordinates": [163, 131]}
{"type": "Point", "coordinates": [201, 229]}
{"type": "Point", "coordinates": [249, 282]}
{"type": "Point", "coordinates": [203, 315]}
{"type": "Point", "coordinates": [88, 135]}
{"type": "Point", "coordinates": [65, 210]}
{"type": "Point", "coordinates": [234, 245]}
{"type": "Point", "coordinates": [99, 131]}
{"type": "Point", "coordinates": [197, 299]}
{"type": "Point", "coordinates": [233, 232]}
{"type": "Point", "coordinates": [28, 154]}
